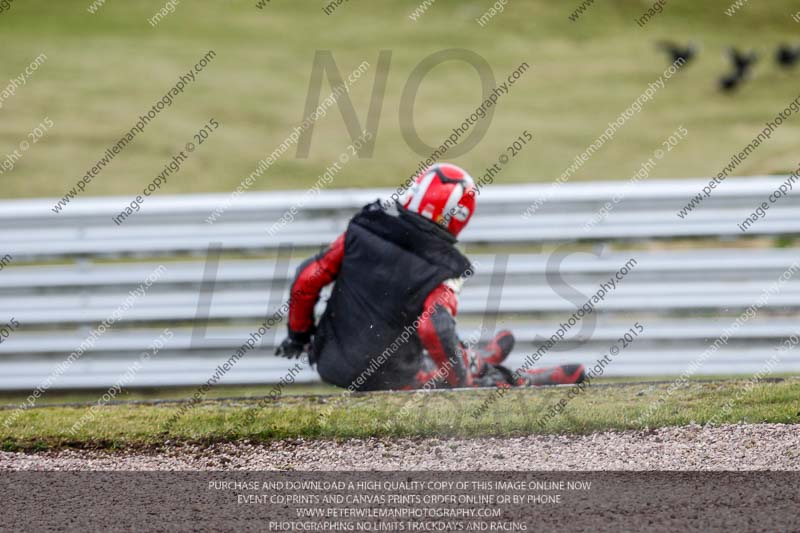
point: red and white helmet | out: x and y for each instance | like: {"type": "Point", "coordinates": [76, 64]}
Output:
{"type": "Point", "coordinates": [445, 194]}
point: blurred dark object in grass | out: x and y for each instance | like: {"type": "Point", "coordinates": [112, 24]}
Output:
{"type": "Point", "coordinates": [787, 56]}
{"type": "Point", "coordinates": [743, 62]}
{"type": "Point", "coordinates": [678, 53]}
{"type": "Point", "coordinates": [742, 67]}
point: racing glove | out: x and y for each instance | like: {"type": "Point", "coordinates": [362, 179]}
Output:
{"type": "Point", "coordinates": [294, 345]}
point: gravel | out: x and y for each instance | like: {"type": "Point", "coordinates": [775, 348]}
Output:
{"type": "Point", "coordinates": [731, 447]}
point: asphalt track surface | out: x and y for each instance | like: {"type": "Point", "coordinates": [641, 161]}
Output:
{"type": "Point", "coordinates": [730, 478]}
{"type": "Point", "coordinates": [625, 501]}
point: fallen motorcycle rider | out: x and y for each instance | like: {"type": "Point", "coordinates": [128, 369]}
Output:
{"type": "Point", "coordinates": [390, 322]}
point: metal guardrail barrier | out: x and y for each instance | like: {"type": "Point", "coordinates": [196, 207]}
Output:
{"type": "Point", "coordinates": [685, 298]}
{"type": "Point", "coordinates": [177, 224]}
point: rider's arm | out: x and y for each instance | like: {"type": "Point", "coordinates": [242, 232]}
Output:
{"type": "Point", "coordinates": [311, 276]}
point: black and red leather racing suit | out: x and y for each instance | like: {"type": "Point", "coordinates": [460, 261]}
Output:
{"type": "Point", "coordinates": [397, 277]}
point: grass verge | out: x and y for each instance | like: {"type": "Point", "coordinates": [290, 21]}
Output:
{"type": "Point", "coordinates": [442, 414]}
{"type": "Point", "coordinates": [106, 69]}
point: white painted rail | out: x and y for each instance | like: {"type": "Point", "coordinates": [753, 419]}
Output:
{"type": "Point", "coordinates": [684, 298]}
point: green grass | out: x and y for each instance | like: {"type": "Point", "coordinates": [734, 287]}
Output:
{"type": "Point", "coordinates": [169, 393]}
{"type": "Point", "coordinates": [449, 414]}
{"type": "Point", "coordinates": [61, 396]}
{"type": "Point", "coordinates": [106, 69]}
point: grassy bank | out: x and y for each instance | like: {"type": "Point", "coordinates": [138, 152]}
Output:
{"type": "Point", "coordinates": [519, 412]}
{"type": "Point", "coordinates": [104, 70]}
